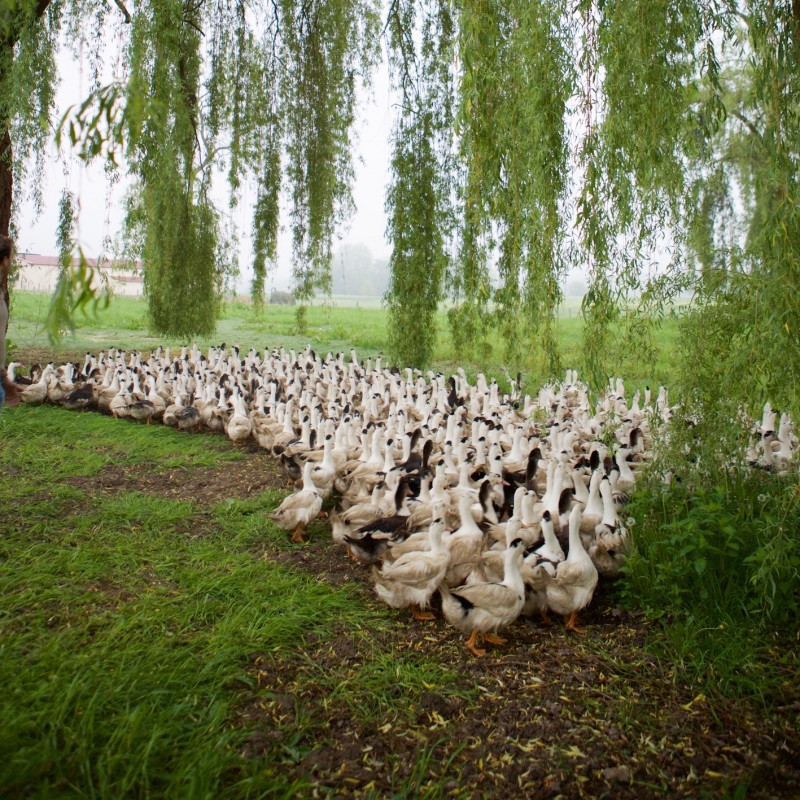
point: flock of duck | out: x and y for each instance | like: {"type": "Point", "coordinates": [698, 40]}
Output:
{"type": "Point", "coordinates": [502, 504]}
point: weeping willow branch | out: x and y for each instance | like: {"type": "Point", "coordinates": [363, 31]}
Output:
{"type": "Point", "coordinates": [513, 97]}
{"type": "Point", "coordinates": [685, 123]}
{"type": "Point", "coordinates": [125, 13]}
{"type": "Point", "coordinates": [326, 45]}
{"type": "Point", "coordinates": [419, 196]}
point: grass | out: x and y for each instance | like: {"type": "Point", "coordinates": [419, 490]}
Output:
{"type": "Point", "coordinates": [330, 327]}
{"type": "Point", "coordinates": [161, 646]}
{"type": "Point", "coordinates": [127, 620]}
{"type": "Point", "coordinates": [146, 639]}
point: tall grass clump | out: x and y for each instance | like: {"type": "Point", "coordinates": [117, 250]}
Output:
{"type": "Point", "coordinates": [717, 549]}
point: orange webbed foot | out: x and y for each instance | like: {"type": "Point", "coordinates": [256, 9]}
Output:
{"type": "Point", "coordinates": [472, 645]}
{"type": "Point", "coordinates": [572, 623]}
{"type": "Point", "coordinates": [297, 536]}
{"type": "Point", "coordinates": [419, 614]}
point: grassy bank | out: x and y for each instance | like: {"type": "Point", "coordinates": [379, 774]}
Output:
{"type": "Point", "coordinates": [129, 618]}
{"type": "Point", "coordinates": [330, 327]}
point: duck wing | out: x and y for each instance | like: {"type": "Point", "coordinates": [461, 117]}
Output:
{"type": "Point", "coordinates": [486, 595]}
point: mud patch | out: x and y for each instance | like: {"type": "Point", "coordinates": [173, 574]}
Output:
{"type": "Point", "coordinates": [255, 473]}
{"type": "Point", "coordinates": [547, 715]}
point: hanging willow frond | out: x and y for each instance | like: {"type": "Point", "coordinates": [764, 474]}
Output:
{"type": "Point", "coordinates": [326, 44]}
{"type": "Point", "coordinates": [419, 196]}
{"type": "Point", "coordinates": [255, 90]}
{"type": "Point", "coordinates": [517, 80]}
{"type": "Point", "coordinates": [651, 143]}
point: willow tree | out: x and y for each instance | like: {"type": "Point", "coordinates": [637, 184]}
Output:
{"type": "Point", "coordinates": [605, 136]}
{"type": "Point", "coordinates": [272, 95]}
{"type": "Point", "coordinates": [28, 30]}
{"type": "Point", "coordinates": [745, 231]}
{"type": "Point", "coordinates": [530, 138]}
{"type": "Point", "coordinates": [419, 196]}
{"type": "Point", "coordinates": [516, 81]}
{"type": "Point", "coordinates": [212, 89]}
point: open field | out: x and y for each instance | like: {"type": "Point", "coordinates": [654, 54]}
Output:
{"type": "Point", "coordinates": [330, 327]}
{"type": "Point", "coordinates": [161, 638]}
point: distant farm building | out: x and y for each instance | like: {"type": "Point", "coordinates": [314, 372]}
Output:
{"type": "Point", "coordinates": [281, 299]}
{"type": "Point", "coordinates": [40, 274]}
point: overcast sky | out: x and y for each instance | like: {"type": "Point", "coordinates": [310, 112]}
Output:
{"type": "Point", "coordinates": [98, 219]}
{"type": "Point", "coordinates": [101, 206]}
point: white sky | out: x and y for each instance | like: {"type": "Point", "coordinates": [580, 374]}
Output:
{"type": "Point", "coordinates": [96, 221]}
{"type": "Point", "coordinates": [99, 219]}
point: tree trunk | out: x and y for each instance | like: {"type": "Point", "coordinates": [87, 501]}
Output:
{"type": "Point", "coordinates": [6, 182]}
{"type": "Point", "coordinates": [6, 189]}
{"type": "Point", "coordinates": [796, 22]}
{"type": "Point", "coordinates": [24, 12]}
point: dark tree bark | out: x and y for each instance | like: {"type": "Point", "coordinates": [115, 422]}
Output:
{"type": "Point", "coordinates": [6, 192]}
{"type": "Point", "coordinates": [796, 22]}
{"type": "Point", "coordinates": [6, 182]}
{"type": "Point", "coordinates": [11, 31]}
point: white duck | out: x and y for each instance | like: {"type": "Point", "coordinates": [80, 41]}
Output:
{"type": "Point", "coordinates": [299, 508]}
{"type": "Point", "coordinates": [411, 580]}
{"type": "Point", "coordinates": [551, 550]}
{"type": "Point", "coordinates": [325, 471]}
{"type": "Point", "coordinates": [572, 586]}
{"type": "Point", "coordinates": [484, 608]}
{"type": "Point", "coordinates": [239, 425]}
{"type": "Point", "coordinates": [465, 545]}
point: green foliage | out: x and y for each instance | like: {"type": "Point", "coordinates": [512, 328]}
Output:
{"type": "Point", "coordinates": [326, 45]}
{"type": "Point", "coordinates": [96, 127]}
{"type": "Point", "coordinates": [640, 61]}
{"type": "Point", "coordinates": [421, 39]}
{"type": "Point", "coordinates": [76, 291]}
{"type": "Point", "coordinates": [266, 216]}
{"type": "Point", "coordinates": [749, 263]}
{"type": "Point", "coordinates": [209, 89]}
{"type": "Point", "coordinates": [418, 259]}
{"type": "Point", "coordinates": [131, 621]}
{"type": "Point", "coordinates": [724, 552]}
{"type": "Point", "coordinates": [722, 545]}
{"type": "Point", "coordinates": [518, 77]}
{"type": "Point", "coordinates": [716, 549]}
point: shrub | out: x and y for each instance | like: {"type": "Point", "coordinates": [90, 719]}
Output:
{"type": "Point", "coordinates": [282, 298]}
{"type": "Point", "coordinates": [710, 553]}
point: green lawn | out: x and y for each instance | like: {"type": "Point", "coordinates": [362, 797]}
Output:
{"type": "Point", "coordinates": [159, 637]}
{"type": "Point", "coordinates": [128, 619]}
{"type": "Point", "coordinates": [330, 327]}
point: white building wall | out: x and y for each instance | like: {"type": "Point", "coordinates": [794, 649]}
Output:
{"type": "Point", "coordinates": [40, 278]}
{"type": "Point", "coordinates": [122, 288]}
{"type": "Point", "coordinates": [34, 278]}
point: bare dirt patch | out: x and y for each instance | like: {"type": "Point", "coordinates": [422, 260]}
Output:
{"type": "Point", "coordinates": [551, 715]}
{"type": "Point", "coordinates": [255, 473]}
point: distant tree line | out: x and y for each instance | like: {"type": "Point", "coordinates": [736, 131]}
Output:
{"type": "Point", "coordinates": [355, 271]}
{"type": "Point", "coordinates": [281, 299]}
